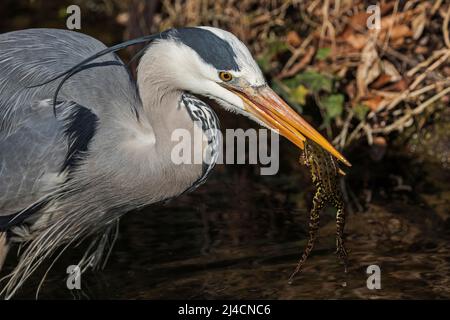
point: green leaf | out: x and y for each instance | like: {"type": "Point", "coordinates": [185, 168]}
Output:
{"type": "Point", "coordinates": [361, 111]}
{"type": "Point", "coordinates": [334, 105]}
{"type": "Point", "coordinates": [323, 53]}
{"type": "Point", "coordinates": [264, 62]}
{"type": "Point", "coordinates": [299, 94]}
{"type": "Point", "coordinates": [312, 80]}
{"type": "Point", "coordinates": [62, 12]}
{"type": "Point", "coordinates": [286, 93]}
{"type": "Point", "coordinates": [273, 47]}
{"type": "Point", "coordinates": [277, 46]}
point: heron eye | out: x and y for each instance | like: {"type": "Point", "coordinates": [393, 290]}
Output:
{"type": "Point", "coordinates": [225, 76]}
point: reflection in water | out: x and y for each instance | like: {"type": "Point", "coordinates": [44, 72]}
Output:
{"type": "Point", "coordinates": [239, 236]}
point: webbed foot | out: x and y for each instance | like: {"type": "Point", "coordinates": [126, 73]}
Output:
{"type": "Point", "coordinates": [341, 252]}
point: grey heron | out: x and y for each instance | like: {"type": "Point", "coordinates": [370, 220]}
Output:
{"type": "Point", "coordinates": [82, 143]}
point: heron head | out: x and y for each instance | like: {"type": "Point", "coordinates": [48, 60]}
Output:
{"type": "Point", "coordinates": [214, 63]}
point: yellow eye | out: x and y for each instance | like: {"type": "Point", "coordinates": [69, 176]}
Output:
{"type": "Point", "coordinates": [225, 76]}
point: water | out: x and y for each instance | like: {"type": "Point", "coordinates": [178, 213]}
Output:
{"type": "Point", "coordinates": [240, 236]}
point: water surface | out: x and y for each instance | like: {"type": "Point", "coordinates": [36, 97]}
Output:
{"type": "Point", "coordinates": [240, 236]}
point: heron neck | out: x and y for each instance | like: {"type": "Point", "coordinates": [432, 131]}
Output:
{"type": "Point", "coordinates": [160, 109]}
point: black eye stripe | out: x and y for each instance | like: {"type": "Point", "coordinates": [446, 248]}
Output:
{"type": "Point", "coordinates": [211, 48]}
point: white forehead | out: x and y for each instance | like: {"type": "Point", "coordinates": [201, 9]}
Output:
{"type": "Point", "coordinates": [249, 69]}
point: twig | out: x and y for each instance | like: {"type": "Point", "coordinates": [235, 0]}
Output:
{"type": "Point", "coordinates": [343, 134]}
{"type": "Point", "coordinates": [419, 79]}
{"type": "Point", "coordinates": [436, 7]}
{"type": "Point", "coordinates": [355, 132]}
{"type": "Point", "coordinates": [411, 62]}
{"type": "Point", "coordinates": [398, 125]}
{"type": "Point", "coordinates": [298, 66]}
{"type": "Point", "coordinates": [388, 35]}
{"type": "Point", "coordinates": [429, 69]}
{"type": "Point", "coordinates": [445, 28]}
{"type": "Point", "coordinates": [297, 53]}
{"type": "Point", "coordinates": [327, 26]}
{"type": "Point", "coordinates": [426, 62]}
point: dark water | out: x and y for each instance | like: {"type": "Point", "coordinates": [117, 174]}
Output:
{"type": "Point", "coordinates": [240, 235]}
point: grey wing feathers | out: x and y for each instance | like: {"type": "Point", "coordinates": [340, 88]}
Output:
{"type": "Point", "coordinates": [30, 158]}
{"type": "Point", "coordinates": [32, 142]}
{"type": "Point", "coordinates": [30, 57]}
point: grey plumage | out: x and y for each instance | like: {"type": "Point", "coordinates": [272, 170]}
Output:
{"type": "Point", "coordinates": [35, 146]}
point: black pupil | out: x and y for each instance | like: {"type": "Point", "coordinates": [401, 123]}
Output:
{"type": "Point", "coordinates": [226, 76]}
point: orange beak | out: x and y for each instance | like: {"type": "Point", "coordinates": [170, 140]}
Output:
{"type": "Point", "coordinates": [264, 104]}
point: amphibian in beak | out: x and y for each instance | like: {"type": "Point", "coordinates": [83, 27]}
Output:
{"type": "Point", "coordinates": [325, 177]}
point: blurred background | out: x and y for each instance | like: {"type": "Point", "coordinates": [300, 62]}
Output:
{"type": "Point", "coordinates": [381, 95]}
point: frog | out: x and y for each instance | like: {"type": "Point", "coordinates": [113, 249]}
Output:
{"type": "Point", "coordinates": [325, 175]}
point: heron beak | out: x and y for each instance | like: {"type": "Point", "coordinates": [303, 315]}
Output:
{"type": "Point", "coordinates": [264, 104]}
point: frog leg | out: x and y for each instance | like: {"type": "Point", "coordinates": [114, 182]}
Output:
{"type": "Point", "coordinates": [340, 224]}
{"type": "Point", "coordinates": [314, 218]}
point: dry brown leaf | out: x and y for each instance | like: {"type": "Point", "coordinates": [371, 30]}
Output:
{"type": "Point", "coordinates": [380, 141]}
{"type": "Point", "coordinates": [374, 72]}
{"type": "Point", "coordinates": [357, 41]}
{"type": "Point", "coordinates": [397, 43]}
{"type": "Point", "coordinates": [293, 39]}
{"type": "Point", "coordinates": [421, 50]}
{"type": "Point", "coordinates": [398, 86]}
{"type": "Point", "coordinates": [388, 21]}
{"type": "Point", "coordinates": [379, 146]}
{"type": "Point", "coordinates": [122, 18]}
{"type": "Point", "coordinates": [263, 18]}
{"type": "Point", "coordinates": [418, 25]}
{"type": "Point", "coordinates": [386, 7]}
{"type": "Point", "coordinates": [400, 31]}
{"type": "Point", "coordinates": [369, 68]}
{"type": "Point", "coordinates": [390, 74]}
{"type": "Point", "coordinates": [398, 19]}
{"type": "Point", "coordinates": [381, 81]}
{"type": "Point", "coordinates": [359, 20]}
{"type": "Point", "coordinates": [373, 102]}
{"type": "Point", "coordinates": [390, 70]}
